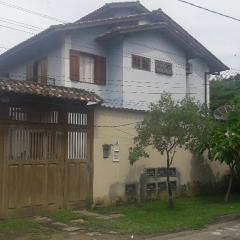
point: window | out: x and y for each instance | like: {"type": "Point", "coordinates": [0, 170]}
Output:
{"type": "Point", "coordinates": [150, 172]}
{"type": "Point", "coordinates": [162, 172]}
{"type": "Point", "coordinates": [162, 67]}
{"type": "Point", "coordinates": [162, 186]}
{"type": "Point", "coordinates": [151, 188]}
{"type": "Point", "coordinates": [37, 71]}
{"type": "Point", "coordinates": [141, 63]}
{"type": "Point", "coordinates": [87, 68]}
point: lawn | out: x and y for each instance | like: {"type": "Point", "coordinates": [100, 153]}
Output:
{"type": "Point", "coordinates": [155, 217]}
{"type": "Point", "coordinates": [139, 219]}
{"type": "Point", "coordinates": [12, 228]}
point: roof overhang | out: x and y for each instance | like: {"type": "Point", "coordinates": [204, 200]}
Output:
{"type": "Point", "coordinates": [26, 88]}
{"type": "Point", "coordinates": [181, 38]}
{"type": "Point", "coordinates": [54, 35]}
{"type": "Point", "coordinates": [124, 30]}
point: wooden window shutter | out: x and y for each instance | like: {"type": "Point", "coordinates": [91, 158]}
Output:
{"type": "Point", "coordinates": [74, 66]}
{"type": "Point", "coordinates": [30, 72]}
{"type": "Point", "coordinates": [44, 70]}
{"type": "Point", "coordinates": [100, 70]}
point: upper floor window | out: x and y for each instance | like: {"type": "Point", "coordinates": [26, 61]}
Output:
{"type": "Point", "coordinates": [37, 71]}
{"type": "Point", "coordinates": [87, 68]}
{"type": "Point", "coordinates": [141, 63]}
{"type": "Point", "coordinates": [162, 67]}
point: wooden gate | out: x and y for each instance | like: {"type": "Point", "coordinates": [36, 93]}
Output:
{"type": "Point", "coordinates": [45, 161]}
{"type": "Point", "coordinates": [78, 161]}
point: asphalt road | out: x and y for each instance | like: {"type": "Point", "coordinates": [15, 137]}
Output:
{"type": "Point", "coordinates": [227, 231]}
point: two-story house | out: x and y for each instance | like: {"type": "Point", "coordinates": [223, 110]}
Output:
{"type": "Point", "coordinates": [123, 56]}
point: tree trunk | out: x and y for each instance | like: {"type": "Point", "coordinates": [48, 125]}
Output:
{"type": "Point", "coordinates": [169, 188]}
{"type": "Point", "coordinates": [229, 188]}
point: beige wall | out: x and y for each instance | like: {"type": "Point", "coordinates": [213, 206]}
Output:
{"type": "Point", "coordinates": [110, 177]}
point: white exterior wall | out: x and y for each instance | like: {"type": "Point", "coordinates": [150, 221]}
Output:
{"type": "Point", "coordinates": [142, 87]}
{"type": "Point", "coordinates": [18, 73]}
{"type": "Point", "coordinates": [54, 67]}
{"type": "Point", "coordinates": [197, 80]}
{"type": "Point", "coordinates": [85, 41]}
{"type": "Point", "coordinates": [126, 87]}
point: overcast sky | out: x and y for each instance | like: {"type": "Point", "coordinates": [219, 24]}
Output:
{"type": "Point", "coordinates": [220, 35]}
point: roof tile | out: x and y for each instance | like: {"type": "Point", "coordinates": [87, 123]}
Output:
{"type": "Point", "coordinates": [37, 89]}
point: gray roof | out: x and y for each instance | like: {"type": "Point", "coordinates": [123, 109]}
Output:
{"type": "Point", "coordinates": [109, 7]}
{"type": "Point", "coordinates": [51, 36]}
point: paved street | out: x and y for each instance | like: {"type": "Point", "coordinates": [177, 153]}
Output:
{"type": "Point", "coordinates": [227, 231]}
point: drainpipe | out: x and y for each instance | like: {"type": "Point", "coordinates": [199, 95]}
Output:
{"type": "Point", "coordinates": [206, 87]}
{"type": "Point", "coordinates": [206, 84]}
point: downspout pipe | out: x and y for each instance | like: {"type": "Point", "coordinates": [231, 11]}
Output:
{"type": "Point", "coordinates": [206, 74]}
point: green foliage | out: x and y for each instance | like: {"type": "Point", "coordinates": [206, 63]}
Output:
{"type": "Point", "coordinates": [167, 126]}
{"type": "Point", "coordinates": [63, 215]}
{"type": "Point", "coordinates": [224, 90]}
{"type": "Point", "coordinates": [18, 225]}
{"type": "Point", "coordinates": [224, 141]}
{"type": "Point", "coordinates": [155, 217]}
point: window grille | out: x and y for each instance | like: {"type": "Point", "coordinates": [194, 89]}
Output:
{"type": "Point", "coordinates": [77, 145]}
{"type": "Point", "coordinates": [141, 63]}
{"type": "Point", "coordinates": [32, 144]}
{"type": "Point", "coordinates": [75, 118]}
{"type": "Point", "coordinates": [17, 114]}
{"type": "Point", "coordinates": [162, 67]}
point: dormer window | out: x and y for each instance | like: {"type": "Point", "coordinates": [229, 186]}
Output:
{"type": "Point", "coordinates": [141, 63]}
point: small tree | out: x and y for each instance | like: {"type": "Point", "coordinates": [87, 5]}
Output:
{"type": "Point", "coordinates": [165, 128]}
{"type": "Point", "coordinates": [225, 147]}
{"type": "Point", "coordinates": [221, 139]}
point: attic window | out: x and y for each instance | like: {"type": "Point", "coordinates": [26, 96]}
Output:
{"type": "Point", "coordinates": [141, 63]}
{"type": "Point", "coordinates": [162, 67]}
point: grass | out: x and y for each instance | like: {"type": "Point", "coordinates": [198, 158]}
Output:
{"type": "Point", "coordinates": [155, 217]}
{"type": "Point", "coordinates": [18, 225]}
{"type": "Point", "coordinates": [63, 216]}
{"type": "Point", "coordinates": [147, 218]}
{"type": "Point", "coordinates": [10, 229]}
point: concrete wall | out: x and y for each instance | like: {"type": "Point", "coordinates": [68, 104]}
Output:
{"type": "Point", "coordinates": [110, 177]}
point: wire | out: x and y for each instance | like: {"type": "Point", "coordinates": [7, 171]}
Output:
{"type": "Point", "coordinates": [16, 29]}
{"type": "Point", "coordinates": [32, 12]}
{"type": "Point", "coordinates": [116, 126]}
{"type": "Point", "coordinates": [20, 24]}
{"type": "Point", "coordinates": [125, 132]}
{"type": "Point", "coordinates": [209, 10]}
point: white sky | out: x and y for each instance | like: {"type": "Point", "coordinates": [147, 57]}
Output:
{"type": "Point", "coordinates": [220, 35]}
